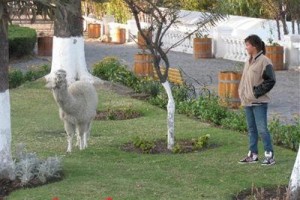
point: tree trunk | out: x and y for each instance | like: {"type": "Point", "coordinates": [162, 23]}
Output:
{"type": "Point", "coordinates": [278, 28]}
{"type": "Point", "coordinates": [171, 114]}
{"type": "Point", "coordinates": [294, 185]}
{"type": "Point", "coordinates": [6, 163]}
{"type": "Point", "coordinates": [285, 28]}
{"type": "Point", "coordinates": [298, 25]}
{"type": "Point", "coordinates": [293, 26]}
{"type": "Point", "coordinates": [68, 44]}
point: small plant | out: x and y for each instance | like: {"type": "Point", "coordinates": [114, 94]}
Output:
{"type": "Point", "coordinates": [286, 135]}
{"type": "Point", "coordinates": [35, 73]}
{"type": "Point", "coordinates": [201, 142]}
{"type": "Point", "coordinates": [145, 145]}
{"type": "Point", "coordinates": [111, 69]}
{"type": "Point", "coordinates": [29, 167]}
{"type": "Point", "coordinates": [271, 39]}
{"type": "Point", "coordinates": [149, 86]}
{"type": "Point", "coordinates": [15, 78]}
{"type": "Point", "coordinates": [199, 34]}
{"type": "Point", "coordinates": [235, 120]}
{"type": "Point", "coordinates": [177, 148]}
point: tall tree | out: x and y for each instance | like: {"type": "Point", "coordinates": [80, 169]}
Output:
{"type": "Point", "coordinates": [293, 9]}
{"type": "Point", "coordinates": [6, 163]}
{"type": "Point", "coordinates": [162, 20]}
{"type": "Point", "coordinates": [249, 8]}
{"type": "Point", "coordinates": [278, 11]}
{"type": "Point", "coordinates": [68, 54]}
{"type": "Point", "coordinates": [68, 42]}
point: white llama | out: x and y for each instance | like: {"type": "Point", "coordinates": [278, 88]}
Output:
{"type": "Point", "coordinates": [77, 107]}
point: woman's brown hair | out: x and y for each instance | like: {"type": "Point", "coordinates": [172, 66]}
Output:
{"type": "Point", "coordinates": [255, 41]}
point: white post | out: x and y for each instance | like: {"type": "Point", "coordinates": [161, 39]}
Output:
{"type": "Point", "coordinates": [220, 34]}
{"type": "Point", "coordinates": [294, 185]}
{"type": "Point", "coordinates": [292, 50]}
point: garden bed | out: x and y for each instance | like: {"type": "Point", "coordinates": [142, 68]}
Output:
{"type": "Point", "coordinates": [7, 186]}
{"type": "Point", "coordinates": [160, 147]}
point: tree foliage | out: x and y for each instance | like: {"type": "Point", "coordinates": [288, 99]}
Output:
{"type": "Point", "coordinates": [162, 20]}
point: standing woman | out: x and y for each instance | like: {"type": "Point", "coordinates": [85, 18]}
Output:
{"type": "Point", "coordinates": [257, 80]}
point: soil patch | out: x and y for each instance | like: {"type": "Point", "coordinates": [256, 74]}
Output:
{"type": "Point", "coordinates": [276, 193]}
{"type": "Point", "coordinates": [7, 186]}
{"type": "Point", "coordinates": [117, 114]}
{"type": "Point", "coordinates": [160, 147]}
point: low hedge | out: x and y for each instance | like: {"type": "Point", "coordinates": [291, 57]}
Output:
{"type": "Point", "coordinates": [16, 77]}
{"type": "Point", "coordinates": [21, 40]}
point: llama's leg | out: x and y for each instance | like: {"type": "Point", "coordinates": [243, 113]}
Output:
{"type": "Point", "coordinates": [78, 138]}
{"type": "Point", "coordinates": [81, 131]}
{"type": "Point", "coordinates": [86, 135]}
{"type": "Point", "coordinates": [70, 129]}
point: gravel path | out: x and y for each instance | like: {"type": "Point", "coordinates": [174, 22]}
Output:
{"type": "Point", "coordinates": [285, 95]}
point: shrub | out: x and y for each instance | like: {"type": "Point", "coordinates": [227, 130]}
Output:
{"type": "Point", "coordinates": [149, 86]}
{"type": "Point", "coordinates": [29, 167]}
{"type": "Point", "coordinates": [15, 78]}
{"type": "Point", "coordinates": [286, 135]}
{"type": "Point", "coordinates": [145, 145]}
{"type": "Point", "coordinates": [21, 40]}
{"type": "Point", "coordinates": [202, 142]}
{"type": "Point", "coordinates": [37, 72]}
{"type": "Point", "coordinates": [111, 69]}
{"type": "Point", "coordinates": [207, 108]}
{"type": "Point", "coordinates": [235, 120]}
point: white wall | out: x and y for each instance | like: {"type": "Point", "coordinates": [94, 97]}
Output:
{"type": "Point", "coordinates": [228, 36]}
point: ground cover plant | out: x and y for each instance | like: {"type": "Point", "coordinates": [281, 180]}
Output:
{"type": "Point", "coordinates": [103, 169]}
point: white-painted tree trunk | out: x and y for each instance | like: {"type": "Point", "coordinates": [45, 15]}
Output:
{"type": "Point", "coordinates": [68, 54]}
{"type": "Point", "coordinates": [6, 162]}
{"type": "Point", "coordinates": [171, 115]}
{"type": "Point", "coordinates": [294, 185]}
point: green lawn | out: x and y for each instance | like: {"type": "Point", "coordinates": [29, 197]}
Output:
{"type": "Point", "coordinates": [104, 170]}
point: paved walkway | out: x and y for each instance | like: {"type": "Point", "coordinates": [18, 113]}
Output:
{"type": "Point", "coordinates": [285, 95]}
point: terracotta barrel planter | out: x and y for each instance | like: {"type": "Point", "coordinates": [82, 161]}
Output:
{"type": "Point", "coordinates": [45, 46]}
{"type": "Point", "coordinates": [275, 53]}
{"type": "Point", "coordinates": [143, 65]}
{"type": "Point", "coordinates": [141, 42]}
{"type": "Point", "coordinates": [228, 88]}
{"type": "Point", "coordinates": [202, 48]}
{"type": "Point", "coordinates": [94, 30]}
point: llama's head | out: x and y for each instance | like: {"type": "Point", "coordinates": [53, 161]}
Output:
{"type": "Point", "coordinates": [60, 78]}
{"type": "Point", "coordinates": [58, 81]}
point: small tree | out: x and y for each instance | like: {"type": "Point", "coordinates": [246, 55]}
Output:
{"type": "Point", "coordinates": [162, 20]}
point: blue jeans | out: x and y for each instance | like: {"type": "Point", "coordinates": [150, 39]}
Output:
{"type": "Point", "coordinates": [257, 123]}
